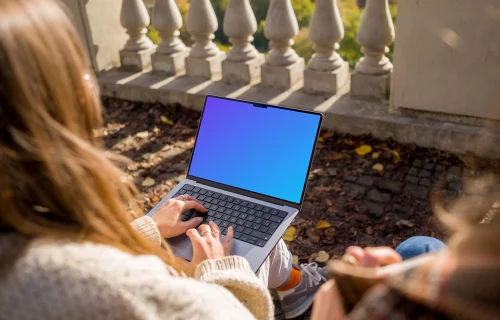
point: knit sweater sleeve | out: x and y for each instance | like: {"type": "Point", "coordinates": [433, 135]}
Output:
{"type": "Point", "coordinates": [87, 281]}
{"type": "Point", "coordinates": [146, 226]}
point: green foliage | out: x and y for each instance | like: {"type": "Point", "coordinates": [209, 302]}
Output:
{"type": "Point", "coordinates": [153, 34]}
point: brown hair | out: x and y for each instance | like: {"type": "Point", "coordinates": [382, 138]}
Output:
{"type": "Point", "coordinates": [55, 182]}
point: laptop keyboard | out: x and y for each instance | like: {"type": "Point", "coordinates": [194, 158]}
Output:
{"type": "Point", "coordinates": [252, 223]}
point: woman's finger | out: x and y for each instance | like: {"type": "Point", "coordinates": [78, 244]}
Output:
{"type": "Point", "coordinates": [380, 256]}
{"type": "Point", "coordinates": [205, 230]}
{"type": "Point", "coordinates": [215, 230]}
{"type": "Point", "coordinates": [357, 252]}
{"type": "Point", "coordinates": [193, 204]}
{"type": "Point", "coordinates": [226, 244]}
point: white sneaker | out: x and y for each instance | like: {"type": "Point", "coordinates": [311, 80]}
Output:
{"type": "Point", "coordinates": [297, 300]}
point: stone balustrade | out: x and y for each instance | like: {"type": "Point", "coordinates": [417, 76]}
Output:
{"type": "Point", "coordinates": [282, 68]}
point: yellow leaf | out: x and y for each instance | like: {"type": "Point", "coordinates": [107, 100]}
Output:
{"type": "Point", "coordinates": [148, 182]}
{"type": "Point", "coordinates": [323, 224]}
{"type": "Point", "coordinates": [375, 155]}
{"type": "Point", "coordinates": [322, 256]}
{"type": "Point", "coordinates": [320, 139]}
{"type": "Point", "coordinates": [396, 155]}
{"type": "Point", "coordinates": [155, 199]}
{"type": "Point", "coordinates": [378, 167]}
{"type": "Point", "coordinates": [166, 120]}
{"type": "Point", "coordinates": [142, 135]}
{"type": "Point", "coordinates": [363, 150]}
{"type": "Point", "coordinates": [156, 130]}
{"type": "Point", "coordinates": [290, 234]}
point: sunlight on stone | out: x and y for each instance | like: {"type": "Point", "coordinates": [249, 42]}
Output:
{"type": "Point", "coordinates": [450, 37]}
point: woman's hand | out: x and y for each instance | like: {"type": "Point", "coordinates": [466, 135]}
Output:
{"type": "Point", "coordinates": [168, 217]}
{"type": "Point", "coordinates": [328, 303]}
{"type": "Point", "coordinates": [374, 256]}
{"type": "Point", "coordinates": [207, 245]}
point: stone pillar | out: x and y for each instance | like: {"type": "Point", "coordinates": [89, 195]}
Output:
{"type": "Point", "coordinates": [243, 62]}
{"type": "Point", "coordinates": [327, 71]}
{"type": "Point", "coordinates": [136, 55]}
{"type": "Point", "coordinates": [171, 52]}
{"type": "Point", "coordinates": [205, 57]}
{"type": "Point", "coordinates": [283, 67]}
{"type": "Point", "coordinates": [372, 75]}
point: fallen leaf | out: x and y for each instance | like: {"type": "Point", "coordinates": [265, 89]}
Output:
{"type": "Point", "coordinates": [378, 167]}
{"type": "Point", "coordinates": [321, 140]}
{"type": "Point", "coordinates": [311, 234]}
{"type": "Point", "coordinates": [322, 256]}
{"type": "Point", "coordinates": [332, 172]}
{"type": "Point", "coordinates": [290, 234]}
{"type": "Point", "coordinates": [142, 135]}
{"type": "Point", "coordinates": [166, 120]}
{"type": "Point", "coordinates": [156, 130]}
{"type": "Point", "coordinates": [323, 225]}
{"type": "Point", "coordinates": [322, 188]}
{"type": "Point", "coordinates": [327, 134]}
{"type": "Point", "coordinates": [369, 230]}
{"type": "Point", "coordinates": [336, 156]}
{"type": "Point", "coordinates": [363, 149]}
{"type": "Point", "coordinates": [405, 223]}
{"type": "Point", "coordinates": [330, 232]}
{"type": "Point", "coordinates": [375, 155]}
{"type": "Point", "coordinates": [295, 259]}
{"type": "Point", "coordinates": [148, 182]}
{"type": "Point", "coordinates": [396, 155]}
{"type": "Point", "coordinates": [155, 199]}
{"type": "Point", "coordinates": [329, 202]}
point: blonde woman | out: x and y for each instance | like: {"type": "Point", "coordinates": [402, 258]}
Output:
{"type": "Point", "coordinates": [68, 248]}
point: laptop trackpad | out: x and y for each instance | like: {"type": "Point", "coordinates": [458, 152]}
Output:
{"type": "Point", "coordinates": [182, 247]}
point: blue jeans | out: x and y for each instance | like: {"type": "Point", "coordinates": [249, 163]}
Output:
{"type": "Point", "coordinates": [416, 246]}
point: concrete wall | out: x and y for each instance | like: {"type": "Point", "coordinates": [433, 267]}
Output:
{"type": "Point", "coordinates": [447, 57]}
{"type": "Point", "coordinates": [98, 22]}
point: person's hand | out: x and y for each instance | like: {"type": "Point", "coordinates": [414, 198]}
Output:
{"type": "Point", "coordinates": [207, 245]}
{"type": "Point", "coordinates": [328, 303]}
{"type": "Point", "coordinates": [168, 217]}
{"type": "Point", "coordinates": [374, 256]}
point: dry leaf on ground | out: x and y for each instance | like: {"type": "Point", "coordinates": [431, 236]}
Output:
{"type": "Point", "coordinates": [166, 120]}
{"type": "Point", "coordinates": [378, 167]}
{"type": "Point", "coordinates": [375, 155]}
{"type": "Point", "coordinates": [142, 135]}
{"type": "Point", "coordinates": [148, 182]}
{"type": "Point", "coordinates": [322, 256]}
{"type": "Point", "coordinates": [363, 149]}
{"type": "Point", "coordinates": [321, 140]}
{"type": "Point", "coordinates": [290, 234]}
{"type": "Point", "coordinates": [311, 234]}
{"type": "Point", "coordinates": [337, 156]}
{"type": "Point", "coordinates": [323, 225]}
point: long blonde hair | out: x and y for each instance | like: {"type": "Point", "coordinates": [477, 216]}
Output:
{"type": "Point", "coordinates": [55, 181]}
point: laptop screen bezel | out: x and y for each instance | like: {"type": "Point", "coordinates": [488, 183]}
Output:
{"type": "Point", "coordinates": [245, 192]}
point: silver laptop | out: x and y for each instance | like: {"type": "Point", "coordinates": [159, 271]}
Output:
{"type": "Point", "coordinates": [249, 168]}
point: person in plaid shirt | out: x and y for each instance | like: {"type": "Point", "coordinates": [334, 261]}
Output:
{"type": "Point", "coordinates": [459, 282]}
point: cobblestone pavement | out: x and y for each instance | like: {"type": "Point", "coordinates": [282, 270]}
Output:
{"type": "Point", "coordinates": [363, 205]}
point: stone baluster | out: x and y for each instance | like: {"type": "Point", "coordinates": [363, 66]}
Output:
{"type": "Point", "coordinates": [136, 55]}
{"type": "Point", "coordinates": [372, 76]}
{"type": "Point", "coordinates": [326, 71]}
{"type": "Point", "coordinates": [243, 62]}
{"type": "Point", "coordinates": [171, 52]}
{"type": "Point", "coordinates": [205, 58]}
{"type": "Point", "coordinates": [283, 67]}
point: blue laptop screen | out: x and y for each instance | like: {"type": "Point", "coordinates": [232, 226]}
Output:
{"type": "Point", "coordinates": [266, 150]}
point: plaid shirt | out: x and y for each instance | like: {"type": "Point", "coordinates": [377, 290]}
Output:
{"type": "Point", "coordinates": [465, 287]}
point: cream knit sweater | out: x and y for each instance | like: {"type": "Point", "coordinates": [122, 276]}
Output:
{"type": "Point", "coordinates": [69, 280]}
